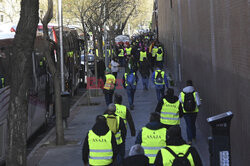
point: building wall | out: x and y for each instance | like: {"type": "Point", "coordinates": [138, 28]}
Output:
{"type": "Point", "coordinates": [9, 11]}
{"type": "Point", "coordinates": [207, 41]}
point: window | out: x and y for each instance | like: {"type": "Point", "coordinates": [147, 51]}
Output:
{"type": "Point", "coordinates": [1, 17]}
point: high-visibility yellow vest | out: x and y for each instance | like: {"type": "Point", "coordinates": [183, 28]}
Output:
{"type": "Point", "coordinates": [121, 111]}
{"type": "Point", "coordinates": [143, 55]}
{"type": "Point", "coordinates": [125, 76]}
{"type": "Point", "coordinates": [182, 98]}
{"type": "Point", "coordinates": [159, 57]}
{"type": "Point", "coordinates": [168, 158]}
{"type": "Point", "coordinates": [110, 82]}
{"type": "Point", "coordinates": [96, 52]}
{"type": "Point", "coordinates": [162, 74]}
{"type": "Point", "coordinates": [70, 54]}
{"type": "Point", "coordinates": [153, 141]}
{"type": "Point", "coordinates": [118, 134]}
{"type": "Point", "coordinates": [154, 51]}
{"type": "Point", "coordinates": [170, 113]}
{"type": "Point", "coordinates": [128, 51]}
{"type": "Point", "coordinates": [121, 54]}
{"type": "Point", "coordinates": [100, 148]}
{"type": "Point", "coordinates": [2, 82]}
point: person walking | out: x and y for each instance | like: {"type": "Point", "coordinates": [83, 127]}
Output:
{"type": "Point", "coordinates": [159, 58]}
{"type": "Point", "coordinates": [152, 137]}
{"type": "Point", "coordinates": [100, 147]}
{"type": "Point", "coordinates": [117, 126]}
{"type": "Point", "coordinates": [114, 66]}
{"type": "Point", "coordinates": [144, 70]}
{"type": "Point", "coordinates": [190, 101]}
{"type": "Point", "coordinates": [159, 78]}
{"type": "Point", "coordinates": [154, 52]}
{"type": "Point", "coordinates": [170, 109]}
{"type": "Point", "coordinates": [109, 86]}
{"type": "Point", "coordinates": [177, 148]}
{"type": "Point", "coordinates": [129, 83]}
{"type": "Point", "coordinates": [136, 157]}
{"type": "Point", "coordinates": [143, 54]}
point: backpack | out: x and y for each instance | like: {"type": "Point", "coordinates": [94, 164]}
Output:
{"type": "Point", "coordinates": [159, 78]}
{"type": "Point", "coordinates": [189, 102]}
{"type": "Point", "coordinates": [180, 159]}
{"type": "Point", "coordinates": [130, 79]}
{"type": "Point", "coordinates": [112, 123]}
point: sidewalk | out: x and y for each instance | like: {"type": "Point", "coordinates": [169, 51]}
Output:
{"type": "Point", "coordinates": [82, 119]}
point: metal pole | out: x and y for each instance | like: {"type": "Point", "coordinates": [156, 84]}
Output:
{"type": "Point", "coordinates": [105, 38]}
{"type": "Point", "coordinates": [60, 23]}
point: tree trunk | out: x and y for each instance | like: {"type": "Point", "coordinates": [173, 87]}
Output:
{"type": "Point", "coordinates": [21, 70]}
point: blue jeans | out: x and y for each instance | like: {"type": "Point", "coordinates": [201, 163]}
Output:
{"type": "Point", "coordinates": [190, 119]}
{"type": "Point", "coordinates": [160, 93]}
{"type": "Point", "coordinates": [159, 64]}
{"type": "Point", "coordinates": [121, 153]}
{"type": "Point", "coordinates": [145, 82]}
{"type": "Point", "coordinates": [131, 94]}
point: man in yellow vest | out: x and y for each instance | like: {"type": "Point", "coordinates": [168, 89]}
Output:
{"type": "Point", "coordinates": [143, 54]}
{"type": "Point", "coordinates": [170, 109]}
{"type": "Point", "coordinates": [152, 137]}
{"type": "Point", "coordinates": [128, 51]}
{"type": "Point", "coordinates": [190, 101]}
{"type": "Point", "coordinates": [121, 56]}
{"type": "Point", "coordinates": [159, 57]}
{"type": "Point", "coordinates": [117, 126]}
{"type": "Point", "coordinates": [154, 52]}
{"type": "Point", "coordinates": [100, 147]}
{"type": "Point", "coordinates": [177, 147]}
{"type": "Point", "coordinates": [109, 86]}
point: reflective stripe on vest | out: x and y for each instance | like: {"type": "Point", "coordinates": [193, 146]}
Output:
{"type": "Point", "coordinates": [121, 54]}
{"type": "Point", "coordinates": [162, 74]}
{"type": "Point", "coordinates": [143, 55]}
{"type": "Point", "coordinates": [168, 158]}
{"type": "Point", "coordinates": [128, 51]}
{"type": "Point", "coordinates": [154, 51]}
{"type": "Point", "coordinates": [182, 99]}
{"type": "Point", "coordinates": [153, 141]}
{"type": "Point", "coordinates": [100, 149]}
{"type": "Point", "coordinates": [118, 135]}
{"type": "Point", "coordinates": [170, 113]}
{"type": "Point", "coordinates": [159, 57]}
{"type": "Point", "coordinates": [121, 111]}
{"type": "Point", "coordinates": [125, 76]}
{"type": "Point", "coordinates": [110, 82]}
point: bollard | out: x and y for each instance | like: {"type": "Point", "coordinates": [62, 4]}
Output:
{"type": "Point", "coordinates": [219, 143]}
{"type": "Point", "coordinates": [65, 107]}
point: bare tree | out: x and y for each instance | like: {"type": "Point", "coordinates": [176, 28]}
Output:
{"type": "Point", "coordinates": [55, 72]}
{"type": "Point", "coordinates": [20, 71]}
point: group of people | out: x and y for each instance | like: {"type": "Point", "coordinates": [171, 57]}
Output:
{"type": "Point", "coordinates": [160, 142]}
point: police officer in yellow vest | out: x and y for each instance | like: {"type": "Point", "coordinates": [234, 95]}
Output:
{"type": "Point", "coordinates": [100, 147]}
{"type": "Point", "coordinates": [152, 137]}
{"type": "Point", "coordinates": [118, 128]}
{"type": "Point", "coordinates": [190, 116]}
{"type": "Point", "coordinates": [143, 54]}
{"type": "Point", "coordinates": [176, 146]}
{"type": "Point", "coordinates": [170, 109]}
{"type": "Point", "coordinates": [109, 86]}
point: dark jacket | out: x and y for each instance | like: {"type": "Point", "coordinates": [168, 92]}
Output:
{"type": "Point", "coordinates": [137, 160]}
{"type": "Point", "coordinates": [122, 127]}
{"type": "Point", "coordinates": [170, 99]}
{"type": "Point", "coordinates": [150, 125]}
{"type": "Point", "coordinates": [99, 129]}
{"type": "Point", "coordinates": [145, 68]}
{"type": "Point", "coordinates": [177, 142]}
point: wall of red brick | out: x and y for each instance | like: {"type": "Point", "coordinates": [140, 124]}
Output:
{"type": "Point", "coordinates": [207, 41]}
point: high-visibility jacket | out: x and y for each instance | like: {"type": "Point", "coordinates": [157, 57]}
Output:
{"type": "Point", "coordinates": [143, 55]}
{"type": "Point", "coordinates": [125, 76]}
{"type": "Point", "coordinates": [128, 50]}
{"type": "Point", "coordinates": [96, 52]}
{"type": "Point", "coordinates": [182, 99]}
{"type": "Point", "coordinates": [121, 54]}
{"type": "Point", "coordinates": [100, 148]}
{"type": "Point", "coordinates": [118, 134]}
{"type": "Point", "coordinates": [121, 111]}
{"type": "Point", "coordinates": [168, 158]}
{"type": "Point", "coordinates": [159, 57]}
{"type": "Point", "coordinates": [153, 141]}
{"type": "Point", "coordinates": [170, 113]}
{"type": "Point", "coordinates": [70, 54]}
{"type": "Point", "coordinates": [154, 51]}
{"type": "Point", "coordinates": [110, 82]}
{"type": "Point", "coordinates": [162, 74]}
{"type": "Point", "coordinates": [2, 82]}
